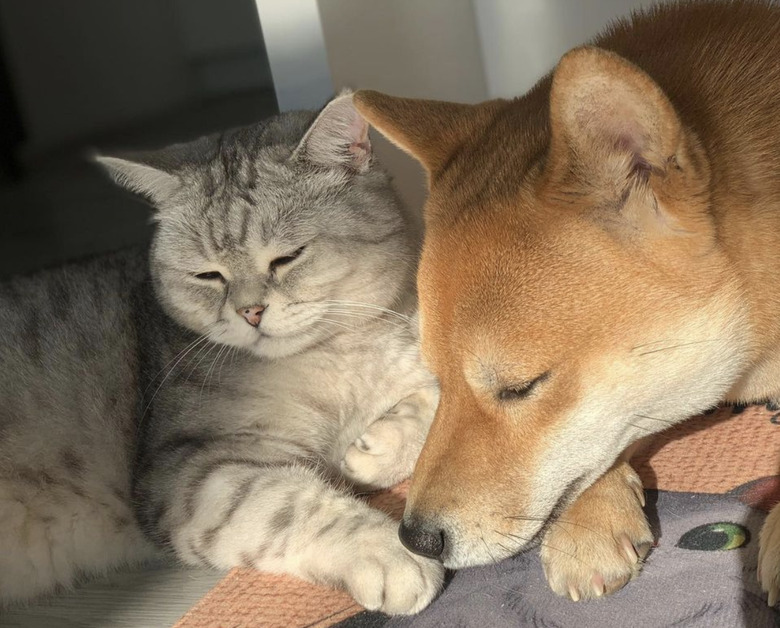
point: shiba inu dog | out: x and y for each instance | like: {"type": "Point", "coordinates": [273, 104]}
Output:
{"type": "Point", "coordinates": [601, 261]}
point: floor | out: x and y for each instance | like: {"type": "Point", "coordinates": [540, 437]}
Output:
{"type": "Point", "coordinates": [150, 598]}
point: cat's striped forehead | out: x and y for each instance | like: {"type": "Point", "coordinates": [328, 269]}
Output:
{"type": "Point", "coordinates": [241, 203]}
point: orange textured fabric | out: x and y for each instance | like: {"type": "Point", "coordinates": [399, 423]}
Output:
{"type": "Point", "coordinates": [710, 454]}
{"type": "Point", "coordinates": [246, 598]}
{"type": "Point", "coordinates": [714, 453]}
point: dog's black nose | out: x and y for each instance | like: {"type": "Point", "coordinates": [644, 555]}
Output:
{"type": "Point", "coordinates": [422, 539]}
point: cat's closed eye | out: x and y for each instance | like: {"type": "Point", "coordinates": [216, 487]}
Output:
{"type": "Point", "coordinates": [211, 276]}
{"type": "Point", "coordinates": [285, 259]}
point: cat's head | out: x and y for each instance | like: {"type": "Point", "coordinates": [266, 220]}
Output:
{"type": "Point", "coordinates": [274, 236]}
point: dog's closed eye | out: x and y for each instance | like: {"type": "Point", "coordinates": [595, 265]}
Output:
{"type": "Point", "coordinates": [521, 391]}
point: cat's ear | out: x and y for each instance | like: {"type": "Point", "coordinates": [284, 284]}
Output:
{"type": "Point", "coordinates": [338, 138]}
{"type": "Point", "coordinates": [140, 174]}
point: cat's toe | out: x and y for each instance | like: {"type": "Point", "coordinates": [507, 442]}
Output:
{"type": "Point", "coordinates": [769, 556]}
{"type": "Point", "coordinates": [381, 457]}
{"type": "Point", "coordinates": [392, 580]}
{"type": "Point", "coordinates": [367, 468]}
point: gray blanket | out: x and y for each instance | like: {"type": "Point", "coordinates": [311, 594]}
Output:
{"type": "Point", "coordinates": [702, 574]}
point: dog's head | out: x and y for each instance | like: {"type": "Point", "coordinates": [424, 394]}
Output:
{"type": "Point", "coordinates": [574, 295]}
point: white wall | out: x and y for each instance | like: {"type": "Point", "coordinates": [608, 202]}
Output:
{"type": "Point", "coordinates": [522, 40]}
{"type": "Point", "coordinates": [416, 48]}
{"type": "Point", "coordinates": [296, 53]}
{"type": "Point", "coordinates": [460, 50]}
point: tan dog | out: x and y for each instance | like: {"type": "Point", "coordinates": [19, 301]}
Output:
{"type": "Point", "coordinates": [601, 261]}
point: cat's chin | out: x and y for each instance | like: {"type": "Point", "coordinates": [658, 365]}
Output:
{"type": "Point", "coordinates": [275, 347]}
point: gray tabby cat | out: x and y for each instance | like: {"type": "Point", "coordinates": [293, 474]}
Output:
{"type": "Point", "coordinates": [225, 426]}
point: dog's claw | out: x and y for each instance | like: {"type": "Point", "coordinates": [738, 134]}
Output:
{"type": "Point", "coordinates": [600, 541]}
{"type": "Point", "coordinates": [636, 484]}
{"type": "Point", "coordinates": [597, 583]}
{"type": "Point", "coordinates": [629, 550]}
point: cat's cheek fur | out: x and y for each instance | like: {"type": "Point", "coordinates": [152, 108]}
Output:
{"type": "Point", "coordinates": [276, 348]}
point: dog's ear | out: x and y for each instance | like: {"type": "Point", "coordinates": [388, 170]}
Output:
{"type": "Point", "coordinates": [763, 493]}
{"type": "Point", "coordinates": [429, 130]}
{"type": "Point", "coordinates": [610, 123]}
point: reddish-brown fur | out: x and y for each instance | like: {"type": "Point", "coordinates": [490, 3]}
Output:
{"type": "Point", "coordinates": [631, 197]}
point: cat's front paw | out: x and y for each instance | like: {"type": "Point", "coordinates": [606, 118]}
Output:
{"type": "Point", "coordinates": [386, 452]}
{"type": "Point", "coordinates": [598, 544]}
{"type": "Point", "coordinates": [769, 556]}
{"type": "Point", "coordinates": [384, 576]}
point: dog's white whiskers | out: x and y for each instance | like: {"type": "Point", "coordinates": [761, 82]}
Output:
{"type": "Point", "coordinates": [671, 347]}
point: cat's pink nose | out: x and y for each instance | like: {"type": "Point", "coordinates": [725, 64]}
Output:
{"type": "Point", "coordinates": [252, 314]}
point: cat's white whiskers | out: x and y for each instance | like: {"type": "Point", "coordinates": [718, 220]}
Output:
{"type": "Point", "coordinates": [172, 369]}
{"type": "Point", "coordinates": [204, 351]}
{"type": "Point", "coordinates": [207, 378]}
{"type": "Point", "coordinates": [171, 361]}
{"type": "Point", "coordinates": [198, 354]}
{"type": "Point", "coordinates": [368, 316]}
{"type": "Point", "coordinates": [204, 355]}
{"type": "Point", "coordinates": [336, 323]}
{"type": "Point", "coordinates": [372, 306]}
{"type": "Point", "coordinates": [231, 352]}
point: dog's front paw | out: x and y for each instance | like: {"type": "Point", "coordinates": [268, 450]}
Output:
{"type": "Point", "coordinates": [385, 577]}
{"type": "Point", "coordinates": [769, 556]}
{"type": "Point", "coordinates": [598, 544]}
{"type": "Point", "coordinates": [386, 452]}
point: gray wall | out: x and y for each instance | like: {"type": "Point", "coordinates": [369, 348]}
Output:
{"type": "Point", "coordinates": [83, 65]}
{"type": "Point", "coordinates": [292, 30]}
{"type": "Point", "coordinates": [80, 66]}
{"type": "Point", "coordinates": [421, 49]}
{"type": "Point", "coordinates": [223, 45]}
{"type": "Point", "coordinates": [521, 40]}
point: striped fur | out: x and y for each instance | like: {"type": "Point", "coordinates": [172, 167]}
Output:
{"type": "Point", "coordinates": [140, 412]}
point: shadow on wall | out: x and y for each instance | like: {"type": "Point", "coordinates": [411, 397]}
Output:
{"type": "Point", "coordinates": [113, 75]}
